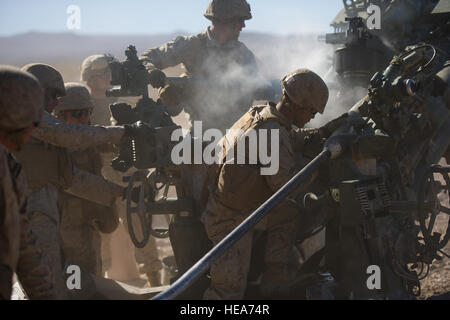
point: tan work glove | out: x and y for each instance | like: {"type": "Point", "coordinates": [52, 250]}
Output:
{"type": "Point", "coordinates": [170, 95]}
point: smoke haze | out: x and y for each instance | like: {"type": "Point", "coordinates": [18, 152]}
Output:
{"type": "Point", "coordinates": [275, 55]}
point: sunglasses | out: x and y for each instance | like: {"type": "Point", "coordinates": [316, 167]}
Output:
{"type": "Point", "coordinates": [80, 113]}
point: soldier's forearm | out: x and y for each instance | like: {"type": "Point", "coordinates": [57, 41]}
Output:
{"type": "Point", "coordinates": [94, 188]}
{"type": "Point", "coordinates": [75, 136]}
{"type": "Point", "coordinates": [168, 55]}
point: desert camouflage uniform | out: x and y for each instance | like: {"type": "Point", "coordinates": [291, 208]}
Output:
{"type": "Point", "coordinates": [237, 191]}
{"type": "Point", "coordinates": [224, 92]}
{"type": "Point", "coordinates": [18, 250]}
{"type": "Point", "coordinates": [21, 106]}
{"type": "Point", "coordinates": [205, 59]}
{"type": "Point", "coordinates": [97, 65]}
{"type": "Point", "coordinates": [10, 205]}
{"type": "Point", "coordinates": [82, 220]}
{"type": "Point", "coordinates": [76, 136]}
{"type": "Point", "coordinates": [101, 114]}
{"type": "Point", "coordinates": [44, 183]}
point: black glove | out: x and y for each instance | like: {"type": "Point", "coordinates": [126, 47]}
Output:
{"type": "Point", "coordinates": [123, 113]}
{"type": "Point", "coordinates": [138, 129]}
{"type": "Point", "coordinates": [327, 130]}
{"type": "Point", "coordinates": [157, 78]}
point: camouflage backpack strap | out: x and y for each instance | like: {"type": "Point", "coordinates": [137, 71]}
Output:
{"type": "Point", "coordinates": [248, 121]}
{"type": "Point", "coordinates": [272, 114]}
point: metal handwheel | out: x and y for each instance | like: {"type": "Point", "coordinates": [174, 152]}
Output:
{"type": "Point", "coordinates": [140, 208]}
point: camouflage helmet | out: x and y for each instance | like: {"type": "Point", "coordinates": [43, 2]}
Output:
{"type": "Point", "coordinates": [77, 97]}
{"type": "Point", "coordinates": [306, 89]}
{"type": "Point", "coordinates": [21, 99]}
{"type": "Point", "coordinates": [228, 9]}
{"type": "Point", "coordinates": [95, 65]}
{"type": "Point", "coordinates": [48, 77]}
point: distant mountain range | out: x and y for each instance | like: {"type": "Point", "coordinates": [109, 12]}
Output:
{"type": "Point", "coordinates": [276, 54]}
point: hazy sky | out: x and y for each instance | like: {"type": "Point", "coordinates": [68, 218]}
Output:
{"type": "Point", "coordinates": [160, 16]}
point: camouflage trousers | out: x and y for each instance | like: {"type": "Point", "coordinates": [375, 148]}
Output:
{"type": "Point", "coordinates": [82, 246]}
{"type": "Point", "coordinates": [46, 231]}
{"type": "Point", "coordinates": [229, 272]}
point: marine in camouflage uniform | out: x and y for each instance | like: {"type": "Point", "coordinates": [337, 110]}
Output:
{"type": "Point", "coordinates": [223, 81]}
{"type": "Point", "coordinates": [20, 111]}
{"type": "Point", "coordinates": [237, 190]}
{"type": "Point", "coordinates": [97, 75]}
{"type": "Point", "coordinates": [223, 66]}
{"type": "Point", "coordinates": [82, 220]}
{"type": "Point", "coordinates": [49, 169]}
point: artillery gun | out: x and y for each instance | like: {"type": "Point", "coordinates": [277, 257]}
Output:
{"type": "Point", "coordinates": [358, 53]}
{"type": "Point", "coordinates": [362, 50]}
{"type": "Point", "coordinates": [381, 194]}
{"type": "Point", "coordinates": [385, 189]}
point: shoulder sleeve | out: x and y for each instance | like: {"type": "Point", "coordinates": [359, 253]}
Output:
{"type": "Point", "coordinates": [171, 53]}
{"type": "Point", "coordinates": [75, 136]}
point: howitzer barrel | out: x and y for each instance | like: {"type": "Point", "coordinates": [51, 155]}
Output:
{"type": "Point", "coordinates": [264, 90]}
{"type": "Point", "coordinates": [299, 180]}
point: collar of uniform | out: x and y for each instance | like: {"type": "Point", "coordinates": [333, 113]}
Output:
{"type": "Point", "coordinates": [284, 120]}
{"type": "Point", "coordinates": [211, 42]}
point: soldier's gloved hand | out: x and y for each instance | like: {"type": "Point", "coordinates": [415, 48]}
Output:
{"type": "Point", "coordinates": [123, 113]}
{"type": "Point", "coordinates": [138, 129]}
{"type": "Point", "coordinates": [327, 129]}
{"type": "Point", "coordinates": [170, 96]}
{"type": "Point", "coordinates": [157, 78]}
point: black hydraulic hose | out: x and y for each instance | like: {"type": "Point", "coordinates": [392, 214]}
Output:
{"type": "Point", "coordinates": [204, 263]}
